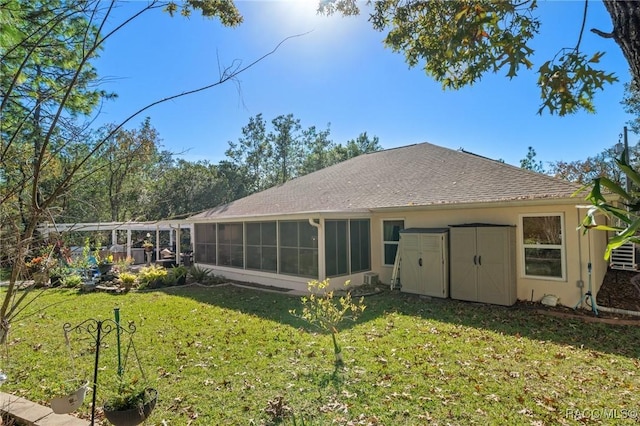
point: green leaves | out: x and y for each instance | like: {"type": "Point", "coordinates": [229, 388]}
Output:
{"type": "Point", "coordinates": [322, 310]}
{"type": "Point", "coordinates": [224, 10]}
{"type": "Point", "coordinates": [571, 84]}
{"type": "Point", "coordinates": [459, 41]}
{"type": "Point", "coordinates": [622, 207]}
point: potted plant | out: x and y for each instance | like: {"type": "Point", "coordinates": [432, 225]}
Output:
{"type": "Point", "coordinates": [71, 394]}
{"type": "Point", "coordinates": [39, 268]}
{"type": "Point", "coordinates": [147, 245]}
{"type": "Point", "coordinates": [104, 263]}
{"type": "Point", "coordinates": [132, 404]}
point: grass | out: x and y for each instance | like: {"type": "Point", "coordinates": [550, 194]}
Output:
{"type": "Point", "coordinates": [225, 355]}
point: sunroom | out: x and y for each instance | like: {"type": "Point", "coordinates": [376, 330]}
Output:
{"type": "Point", "coordinates": [288, 251]}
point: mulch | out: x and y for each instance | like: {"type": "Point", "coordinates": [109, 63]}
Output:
{"type": "Point", "coordinates": [618, 292]}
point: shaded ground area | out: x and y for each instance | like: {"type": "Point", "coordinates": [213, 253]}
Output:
{"type": "Point", "coordinates": [618, 292]}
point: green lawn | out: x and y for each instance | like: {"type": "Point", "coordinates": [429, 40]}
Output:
{"type": "Point", "coordinates": [223, 355]}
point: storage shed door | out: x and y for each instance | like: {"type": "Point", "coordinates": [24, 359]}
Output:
{"type": "Point", "coordinates": [423, 268]}
{"type": "Point", "coordinates": [433, 265]}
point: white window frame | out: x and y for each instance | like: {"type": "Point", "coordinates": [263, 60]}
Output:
{"type": "Point", "coordinates": [384, 242]}
{"type": "Point", "coordinates": [561, 247]}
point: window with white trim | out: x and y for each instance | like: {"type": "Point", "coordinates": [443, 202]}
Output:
{"type": "Point", "coordinates": [391, 236]}
{"type": "Point", "coordinates": [543, 246]}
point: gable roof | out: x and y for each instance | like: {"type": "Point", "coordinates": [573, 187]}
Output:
{"type": "Point", "coordinates": [415, 175]}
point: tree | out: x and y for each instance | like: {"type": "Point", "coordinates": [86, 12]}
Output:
{"type": "Point", "coordinates": [253, 152]}
{"type": "Point", "coordinates": [261, 159]}
{"type": "Point", "coordinates": [360, 145]}
{"type": "Point", "coordinates": [585, 171]}
{"type": "Point", "coordinates": [458, 42]}
{"type": "Point", "coordinates": [48, 85]}
{"type": "Point", "coordinates": [631, 103]}
{"type": "Point", "coordinates": [286, 148]}
{"type": "Point", "coordinates": [318, 150]}
{"type": "Point", "coordinates": [128, 153]}
{"type": "Point", "coordinates": [529, 162]}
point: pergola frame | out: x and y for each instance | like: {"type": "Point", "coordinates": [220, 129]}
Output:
{"type": "Point", "coordinates": [174, 227]}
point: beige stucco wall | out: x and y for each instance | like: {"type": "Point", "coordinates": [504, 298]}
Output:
{"type": "Point", "coordinates": [578, 247]}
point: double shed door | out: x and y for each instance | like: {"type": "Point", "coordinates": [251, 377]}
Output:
{"type": "Point", "coordinates": [424, 268]}
{"type": "Point", "coordinates": [483, 264]}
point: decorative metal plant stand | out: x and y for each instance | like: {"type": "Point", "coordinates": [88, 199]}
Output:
{"type": "Point", "coordinates": [99, 329]}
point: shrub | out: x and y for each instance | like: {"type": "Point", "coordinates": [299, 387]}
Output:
{"type": "Point", "coordinates": [72, 281]}
{"type": "Point", "coordinates": [127, 279]}
{"type": "Point", "coordinates": [177, 275]}
{"type": "Point", "coordinates": [151, 277]}
{"type": "Point", "coordinates": [199, 275]}
{"type": "Point", "coordinates": [122, 265]}
{"type": "Point", "coordinates": [320, 309]}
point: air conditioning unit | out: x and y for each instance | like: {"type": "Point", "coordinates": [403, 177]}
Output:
{"type": "Point", "coordinates": [370, 278]}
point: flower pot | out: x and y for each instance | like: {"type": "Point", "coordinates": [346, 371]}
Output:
{"type": "Point", "coordinates": [68, 403]}
{"type": "Point", "coordinates": [105, 268]}
{"type": "Point", "coordinates": [134, 415]}
{"type": "Point", "coordinates": [56, 280]}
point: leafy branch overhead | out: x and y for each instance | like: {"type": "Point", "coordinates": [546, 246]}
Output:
{"type": "Point", "coordinates": [458, 42]}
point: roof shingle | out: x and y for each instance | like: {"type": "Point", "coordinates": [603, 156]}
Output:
{"type": "Point", "coordinates": [415, 175]}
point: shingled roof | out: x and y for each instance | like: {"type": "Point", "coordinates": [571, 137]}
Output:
{"type": "Point", "coordinates": [415, 175]}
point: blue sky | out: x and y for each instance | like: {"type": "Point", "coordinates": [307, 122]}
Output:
{"type": "Point", "coordinates": [340, 73]}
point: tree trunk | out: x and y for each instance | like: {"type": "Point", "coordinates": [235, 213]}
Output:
{"type": "Point", "coordinates": [626, 31]}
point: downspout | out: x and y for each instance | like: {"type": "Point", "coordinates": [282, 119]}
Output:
{"type": "Point", "coordinates": [580, 283]}
{"type": "Point", "coordinates": [322, 274]}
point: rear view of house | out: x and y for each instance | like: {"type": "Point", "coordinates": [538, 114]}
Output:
{"type": "Point", "coordinates": [432, 220]}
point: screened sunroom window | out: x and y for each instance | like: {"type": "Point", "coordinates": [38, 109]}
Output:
{"type": "Point", "coordinates": [347, 246]}
{"type": "Point", "coordinates": [336, 254]}
{"type": "Point", "coordinates": [205, 244]}
{"type": "Point", "coordinates": [543, 246]}
{"type": "Point", "coordinates": [230, 245]}
{"type": "Point", "coordinates": [391, 236]}
{"type": "Point", "coordinates": [298, 249]}
{"type": "Point", "coordinates": [360, 245]}
{"type": "Point", "coordinates": [262, 249]}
